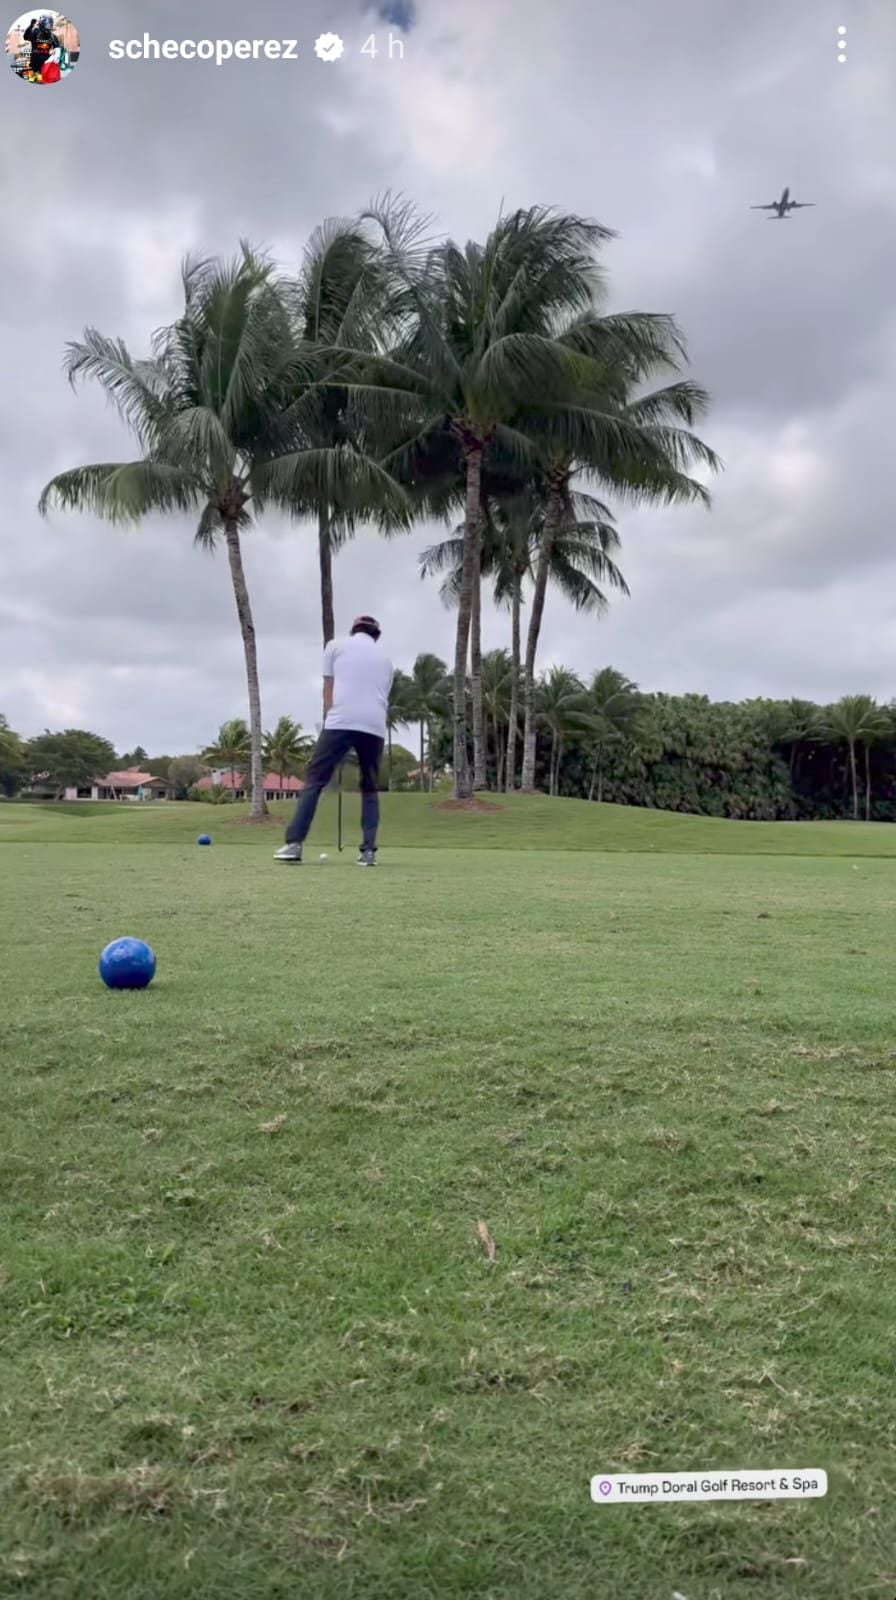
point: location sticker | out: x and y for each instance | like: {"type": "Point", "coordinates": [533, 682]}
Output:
{"type": "Point", "coordinates": [739, 1483]}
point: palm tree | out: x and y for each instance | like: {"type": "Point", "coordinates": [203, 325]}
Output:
{"type": "Point", "coordinates": [476, 706]}
{"type": "Point", "coordinates": [493, 562]}
{"type": "Point", "coordinates": [425, 700]}
{"type": "Point", "coordinates": [559, 699]}
{"type": "Point", "coordinates": [339, 304]}
{"type": "Point", "coordinates": [397, 712]}
{"type": "Point", "coordinates": [497, 692]}
{"type": "Point", "coordinates": [478, 361]}
{"type": "Point", "coordinates": [577, 556]}
{"type": "Point", "coordinates": [857, 719]}
{"type": "Point", "coordinates": [790, 724]}
{"type": "Point", "coordinates": [220, 412]}
{"type": "Point", "coordinates": [612, 710]}
{"type": "Point", "coordinates": [232, 748]}
{"type": "Point", "coordinates": [286, 748]}
{"type": "Point", "coordinates": [510, 541]}
{"type": "Point", "coordinates": [588, 423]}
{"type": "Point", "coordinates": [507, 555]}
{"type": "Point", "coordinates": [511, 548]}
{"type": "Point", "coordinates": [511, 521]}
{"type": "Point", "coordinates": [648, 461]}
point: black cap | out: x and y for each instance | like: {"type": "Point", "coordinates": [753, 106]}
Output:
{"type": "Point", "coordinates": [366, 625]}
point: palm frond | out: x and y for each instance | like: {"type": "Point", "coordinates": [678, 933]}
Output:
{"type": "Point", "coordinates": [446, 556]}
{"type": "Point", "coordinates": [122, 492]}
{"type": "Point", "coordinates": [584, 507]}
{"type": "Point", "coordinates": [210, 525]}
{"type": "Point", "coordinates": [196, 439]}
{"type": "Point", "coordinates": [243, 330]}
{"type": "Point", "coordinates": [634, 343]}
{"type": "Point", "coordinates": [136, 389]}
{"type": "Point", "coordinates": [578, 574]}
{"type": "Point", "coordinates": [684, 401]}
{"type": "Point", "coordinates": [526, 369]}
{"type": "Point", "coordinates": [403, 232]}
{"type": "Point", "coordinates": [305, 479]}
{"type": "Point", "coordinates": [341, 287]}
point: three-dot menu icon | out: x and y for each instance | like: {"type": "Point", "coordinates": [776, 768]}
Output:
{"type": "Point", "coordinates": [841, 45]}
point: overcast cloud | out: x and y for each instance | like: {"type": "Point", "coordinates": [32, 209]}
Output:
{"type": "Point", "coordinates": [663, 122]}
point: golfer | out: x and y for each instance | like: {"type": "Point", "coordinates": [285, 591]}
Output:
{"type": "Point", "coordinates": [357, 680]}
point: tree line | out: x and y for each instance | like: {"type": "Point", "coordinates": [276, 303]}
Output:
{"type": "Point", "coordinates": [603, 739]}
{"type": "Point", "coordinates": [597, 739]}
{"type": "Point", "coordinates": [394, 376]}
{"type": "Point", "coordinates": [76, 758]}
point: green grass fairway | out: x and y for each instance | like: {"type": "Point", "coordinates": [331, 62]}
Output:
{"type": "Point", "coordinates": [252, 1346]}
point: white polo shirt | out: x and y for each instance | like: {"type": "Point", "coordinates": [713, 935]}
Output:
{"type": "Point", "coordinates": [362, 677]}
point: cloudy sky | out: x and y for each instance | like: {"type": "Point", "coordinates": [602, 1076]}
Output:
{"type": "Point", "coordinates": [663, 122]}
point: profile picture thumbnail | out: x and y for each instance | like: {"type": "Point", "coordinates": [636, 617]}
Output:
{"type": "Point", "coordinates": [44, 46]}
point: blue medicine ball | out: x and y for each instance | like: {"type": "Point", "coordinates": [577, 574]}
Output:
{"type": "Point", "coordinates": [127, 964]}
{"type": "Point", "coordinates": [205, 838]}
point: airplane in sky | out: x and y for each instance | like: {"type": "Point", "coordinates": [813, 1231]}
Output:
{"type": "Point", "coordinates": [782, 207]}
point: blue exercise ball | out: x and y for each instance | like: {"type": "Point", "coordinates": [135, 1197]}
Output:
{"type": "Point", "coordinates": [127, 964]}
{"type": "Point", "coordinates": [204, 838]}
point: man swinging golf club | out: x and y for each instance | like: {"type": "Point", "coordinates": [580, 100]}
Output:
{"type": "Point", "coordinates": [357, 679]}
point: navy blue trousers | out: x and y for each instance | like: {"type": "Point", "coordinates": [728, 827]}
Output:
{"type": "Point", "coordinates": [331, 750]}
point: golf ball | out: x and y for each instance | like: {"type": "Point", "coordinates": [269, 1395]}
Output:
{"type": "Point", "coordinates": [323, 858]}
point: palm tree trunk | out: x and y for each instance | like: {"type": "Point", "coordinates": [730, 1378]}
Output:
{"type": "Point", "coordinates": [389, 742]}
{"type": "Point", "coordinates": [510, 769]}
{"type": "Point", "coordinates": [463, 788]}
{"type": "Point", "coordinates": [559, 760]}
{"type": "Point", "coordinates": [431, 770]}
{"type": "Point", "coordinates": [855, 781]}
{"type": "Point", "coordinates": [551, 763]}
{"type": "Point", "coordinates": [542, 572]}
{"type": "Point", "coordinates": [325, 556]}
{"type": "Point", "coordinates": [600, 777]}
{"type": "Point", "coordinates": [258, 809]}
{"type": "Point", "coordinates": [593, 779]}
{"type": "Point", "coordinates": [867, 783]}
{"type": "Point", "coordinates": [499, 757]}
{"type": "Point", "coordinates": [479, 750]}
{"type": "Point", "coordinates": [325, 551]}
{"type": "Point", "coordinates": [422, 759]}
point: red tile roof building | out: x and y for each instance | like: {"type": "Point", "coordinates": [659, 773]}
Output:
{"type": "Point", "coordinates": [275, 786]}
{"type": "Point", "coordinates": [130, 784]}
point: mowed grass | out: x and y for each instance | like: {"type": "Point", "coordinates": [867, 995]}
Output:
{"type": "Point", "coordinates": [252, 1343]}
{"type": "Point", "coordinates": [427, 822]}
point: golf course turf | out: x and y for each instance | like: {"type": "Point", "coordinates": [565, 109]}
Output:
{"type": "Point", "coordinates": [253, 1344]}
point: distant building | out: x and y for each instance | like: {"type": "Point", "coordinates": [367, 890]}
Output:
{"type": "Point", "coordinates": [134, 784]}
{"type": "Point", "coordinates": [131, 784]}
{"type": "Point", "coordinates": [238, 784]}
